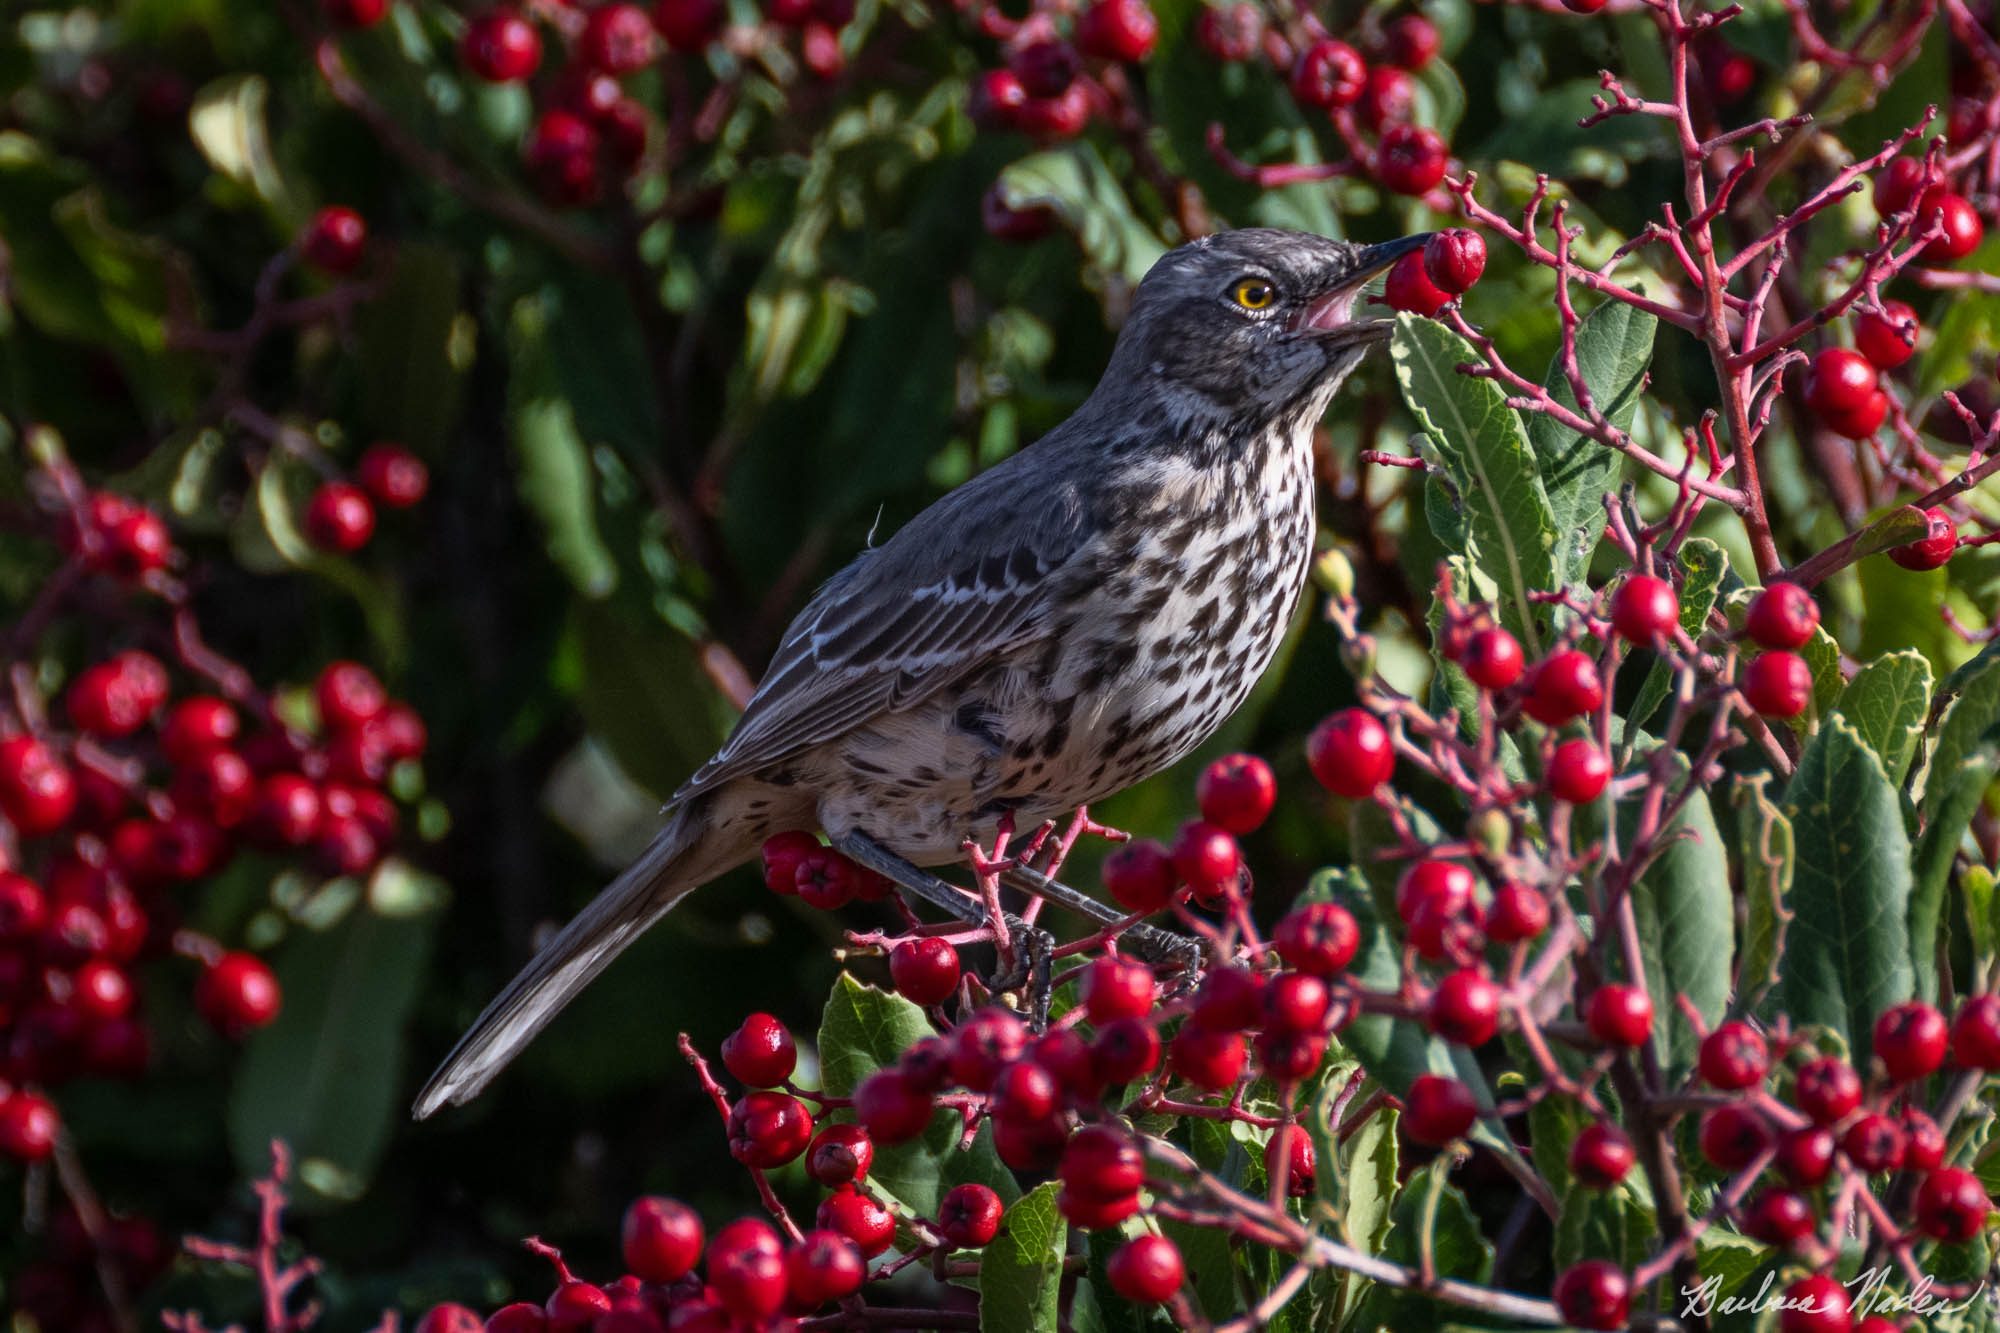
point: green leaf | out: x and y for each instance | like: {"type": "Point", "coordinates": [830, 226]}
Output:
{"type": "Point", "coordinates": [1686, 928]}
{"type": "Point", "coordinates": [1704, 566]}
{"type": "Point", "coordinates": [555, 477]}
{"type": "Point", "coordinates": [1510, 530]}
{"type": "Point", "coordinates": [1603, 1224]}
{"type": "Point", "coordinates": [864, 1029]}
{"type": "Point", "coordinates": [1887, 702]}
{"type": "Point", "coordinates": [1614, 347]}
{"type": "Point", "coordinates": [1847, 953]}
{"type": "Point", "coordinates": [1085, 193]}
{"type": "Point", "coordinates": [1768, 855]}
{"type": "Point", "coordinates": [228, 123]}
{"type": "Point", "coordinates": [326, 1076]}
{"type": "Point", "coordinates": [1937, 852]}
{"type": "Point", "coordinates": [415, 349]}
{"type": "Point", "coordinates": [1427, 1206]}
{"type": "Point", "coordinates": [1727, 1258]}
{"type": "Point", "coordinates": [1963, 725]}
{"type": "Point", "coordinates": [644, 696]}
{"type": "Point", "coordinates": [1020, 1272]}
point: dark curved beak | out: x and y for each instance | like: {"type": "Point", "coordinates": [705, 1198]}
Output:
{"type": "Point", "coordinates": [1331, 314]}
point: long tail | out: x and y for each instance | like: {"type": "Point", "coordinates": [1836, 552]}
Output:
{"type": "Point", "coordinates": [679, 860]}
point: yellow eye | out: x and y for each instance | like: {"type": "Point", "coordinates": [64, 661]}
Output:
{"type": "Point", "coordinates": [1254, 294]}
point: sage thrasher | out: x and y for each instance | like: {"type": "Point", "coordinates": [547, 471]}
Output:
{"type": "Point", "coordinates": [1065, 624]}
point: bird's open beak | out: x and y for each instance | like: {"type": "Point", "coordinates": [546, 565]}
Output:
{"type": "Point", "coordinates": [1331, 315]}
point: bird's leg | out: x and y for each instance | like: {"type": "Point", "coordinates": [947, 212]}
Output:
{"type": "Point", "coordinates": [1151, 942]}
{"type": "Point", "coordinates": [1035, 948]}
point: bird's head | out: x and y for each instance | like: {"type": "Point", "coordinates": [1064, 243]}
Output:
{"type": "Point", "coordinates": [1253, 325]}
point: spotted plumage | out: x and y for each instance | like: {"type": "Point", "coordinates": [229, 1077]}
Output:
{"type": "Point", "coordinates": [1053, 631]}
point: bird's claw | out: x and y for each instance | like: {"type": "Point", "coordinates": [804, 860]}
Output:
{"type": "Point", "coordinates": [1031, 971]}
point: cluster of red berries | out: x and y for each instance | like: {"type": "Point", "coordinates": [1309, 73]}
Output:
{"type": "Point", "coordinates": [1376, 93]}
{"type": "Point", "coordinates": [62, 1288]}
{"type": "Point", "coordinates": [1425, 281]}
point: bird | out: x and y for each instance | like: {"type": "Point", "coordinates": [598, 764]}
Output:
{"type": "Point", "coordinates": [1070, 621]}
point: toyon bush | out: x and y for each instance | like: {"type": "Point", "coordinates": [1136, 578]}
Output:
{"type": "Point", "coordinates": [421, 419]}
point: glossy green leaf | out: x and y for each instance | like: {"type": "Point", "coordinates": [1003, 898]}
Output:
{"type": "Point", "coordinates": [555, 479]}
{"type": "Point", "coordinates": [1020, 1274]}
{"type": "Point", "coordinates": [1428, 1206]}
{"type": "Point", "coordinates": [1887, 702]}
{"type": "Point", "coordinates": [1847, 952]}
{"type": "Point", "coordinates": [1080, 188]}
{"type": "Point", "coordinates": [229, 124]}
{"type": "Point", "coordinates": [1510, 530]}
{"type": "Point", "coordinates": [1972, 693]}
{"type": "Point", "coordinates": [1614, 347]}
{"type": "Point", "coordinates": [1603, 1224]}
{"type": "Point", "coordinates": [1687, 931]}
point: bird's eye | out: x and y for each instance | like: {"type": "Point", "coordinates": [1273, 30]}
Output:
{"type": "Point", "coordinates": [1254, 294]}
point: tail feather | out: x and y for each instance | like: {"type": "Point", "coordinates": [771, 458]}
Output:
{"type": "Point", "coordinates": [672, 866]}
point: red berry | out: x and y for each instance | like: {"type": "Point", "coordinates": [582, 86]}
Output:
{"type": "Point", "coordinates": [1518, 913]}
{"type": "Point", "coordinates": [1410, 159]}
{"type": "Point", "coordinates": [196, 726]}
{"type": "Point", "coordinates": [1594, 1294]}
{"type": "Point", "coordinates": [1438, 1109]}
{"type": "Point", "coordinates": [1874, 1142]}
{"type": "Point", "coordinates": [760, 1053]}
{"type": "Point", "coordinates": [1045, 69]}
{"type": "Point", "coordinates": [768, 1129]}
{"type": "Point", "coordinates": [1951, 1204]}
{"type": "Point", "coordinates": [1230, 32]}
{"type": "Point", "coordinates": [840, 1155]}
{"type": "Point", "coordinates": [1779, 1217]}
{"type": "Point", "coordinates": [1351, 753]}
{"type": "Point", "coordinates": [238, 993]}
{"type": "Point", "coordinates": [1923, 1142]}
{"type": "Point", "coordinates": [824, 1266]}
{"type": "Point", "coordinates": [1584, 6]}
{"type": "Point", "coordinates": [1291, 1147]}
{"type": "Point", "coordinates": [1146, 1270]}
{"type": "Point", "coordinates": [1125, 1049]}
{"type": "Point", "coordinates": [1783, 615]}
{"type": "Point", "coordinates": [1289, 1057]}
{"type": "Point", "coordinates": [746, 1269]}
{"type": "Point", "coordinates": [1441, 886]}
{"type": "Point", "coordinates": [24, 909]}
{"type": "Point", "coordinates": [925, 971]}
{"type": "Point", "coordinates": [218, 785]}
{"type": "Point", "coordinates": [782, 853]}
{"type": "Point", "coordinates": [1564, 685]}
{"type": "Point", "coordinates": [618, 39]}
{"type": "Point", "coordinates": [1454, 258]}
{"type": "Point", "coordinates": [1910, 1040]}
{"type": "Point", "coordinates": [37, 790]}
{"type": "Point", "coordinates": [335, 240]}
{"type": "Point", "coordinates": [1975, 1033]}
{"type": "Point", "coordinates": [392, 474]}
{"type": "Point", "coordinates": [1410, 42]}
{"type": "Point", "coordinates": [1212, 1061]}
{"type": "Point", "coordinates": [1840, 380]}
{"type": "Point", "coordinates": [1410, 289]}
{"type": "Point", "coordinates": [1962, 228]}
{"type": "Point", "coordinates": [1230, 999]}
{"type": "Point", "coordinates": [116, 698]}
{"type": "Point", "coordinates": [1034, 1145]}
{"type": "Point", "coordinates": [969, 1216]}
{"type": "Point", "coordinates": [561, 155]}
{"type": "Point", "coordinates": [1295, 1002]}
{"type": "Point", "coordinates": [520, 1317]}
{"type": "Point", "coordinates": [1579, 771]}
{"type": "Point", "coordinates": [998, 98]}
{"type": "Point", "coordinates": [1389, 96]}
{"type": "Point", "coordinates": [1644, 609]}
{"type": "Point", "coordinates": [1777, 684]}
{"type": "Point", "coordinates": [1601, 1155]}
{"type": "Point", "coordinates": [1887, 337]}
{"type": "Point", "coordinates": [1101, 1162]}
{"type": "Point", "coordinates": [1861, 422]}
{"type": "Point", "coordinates": [1024, 1093]}
{"type": "Point", "coordinates": [29, 1126]}
{"type": "Point", "coordinates": [1827, 1090]}
{"type": "Point", "coordinates": [1066, 1055]}
{"type": "Point", "coordinates": [1734, 1056]}
{"type": "Point", "coordinates": [825, 879]}
{"type": "Point", "coordinates": [1805, 1156]}
{"type": "Point", "coordinates": [1492, 659]}
{"type": "Point", "coordinates": [1319, 939]}
{"type": "Point", "coordinates": [985, 1044]}
{"type": "Point", "coordinates": [575, 1306]}
{"type": "Point", "coordinates": [340, 517]}
{"type": "Point", "coordinates": [501, 47]}
{"type": "Point", "coordinates": [354, 13]}
{"type": "Point", "coordinates": [349, 695]}
{"type": "Point", "coordinates": [1017, 226]}
{"type": "Point", "coordinates": [1117, 988]}
{"type": "Point", "coordinates": [689, 25]}
{"type": "Point", "coordinates": [1236, 793]}
{"type": "Point", "coordinates": [1933, 549]}
{"type": "Point", "coordinates": [1117, 30]}
{"type": "Point", "coordinates": [1139, 876]}
{"type": "Point", "coordinates": [1329, 74]}
{"type": "Point", "coordinates": [1815, 1304]}
{"type": "Point", "coordinates": [1620, 1015]}
{"type": "Point", "coordinates": [1207, 859]}
{"type": "Point", "coordinates": [891, 1107]}
{"type": "Point", "coordinates": [1054, 119]}
{"type": "Point", "coordinates": [1465, 1008]}
{"type": "Point", "coordinates": [450, 1317]}
{"type": "Point", "coordinates": [1897, 188]}
{"type": "Point", "coordinates": [661, 1239]}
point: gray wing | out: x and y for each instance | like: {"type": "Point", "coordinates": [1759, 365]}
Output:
{"type": "Point", "coordinates": [965, 581]}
